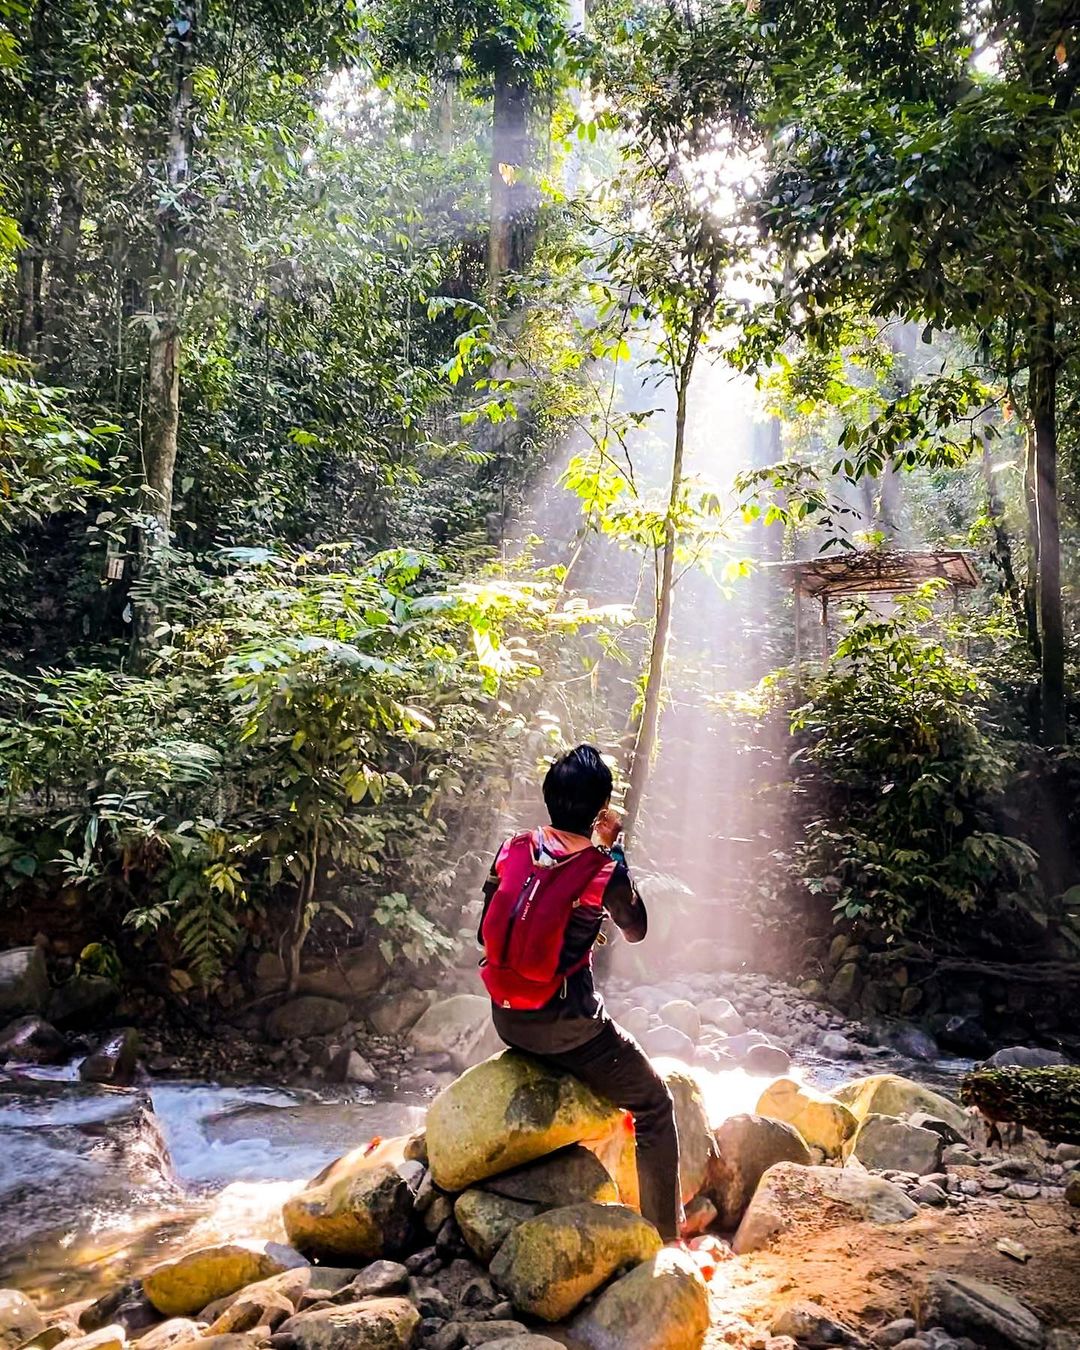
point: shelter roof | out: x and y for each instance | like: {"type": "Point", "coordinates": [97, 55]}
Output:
{"type": "Point", "coordinates": [867, 570]}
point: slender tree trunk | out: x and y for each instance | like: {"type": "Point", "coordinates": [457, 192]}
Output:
{"type": "Point", "coordinates": [446, 115]}
{"type": "Point", "coordinates": [63, 279]}
{"type": "Point", "coordinates": [1002, 555]}
{"type": "Point", "coordinates": [648, 729]}
{"type": "Point", "coordinates": [28, 267]}
{"type": "Point", "coordinates": [163, 361]}
{"type": "Point", "coordinates": [1051, 623]}
{"type": "Point", "coordinates": [513, 209]}
{"type": "Point", "coordinates": [768, 448]}
{"type": "Point", "coordinates": [1031, 579]}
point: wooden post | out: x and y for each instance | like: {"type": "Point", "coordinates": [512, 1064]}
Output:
{"type": "Point", "coordinates": [825, 629]}
{"type": "Point", "coordinates": [798, 628]}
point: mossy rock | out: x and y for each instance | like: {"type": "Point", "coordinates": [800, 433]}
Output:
{"type": "Point", "coordinates": [823, 1121]}
{"type": "Point", "coordinates": [663, 1304]}
{"type": "Point", "coordinates": [486, 1220]}
{"type": "Point", "coordinates": [358, 1208]}
{"type": "Point", "coordinates": [371, 1324]}
{"type": "Point", "coordinates": [509, 1111]}
{"type": "Point", "coordinates": [888, 1094]}
{"type": "Point", "coordinates": [550, 1264]}
{"type": "Point", "coordinates": [569, 1177]}
{"type": "Point", "coordinates": [186, 1285]}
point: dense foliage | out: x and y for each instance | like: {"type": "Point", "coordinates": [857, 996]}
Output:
{"type": "Point", "coordinates": [299, 305]}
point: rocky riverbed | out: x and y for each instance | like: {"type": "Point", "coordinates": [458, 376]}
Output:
{"type": "Point", "coordinates": [851, 1201]}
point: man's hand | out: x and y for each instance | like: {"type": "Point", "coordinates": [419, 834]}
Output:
{"type": "Point", "coordinates": [608, 826]}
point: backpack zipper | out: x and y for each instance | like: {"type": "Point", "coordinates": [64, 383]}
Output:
{"type": "Point", "coordinates": [520, 905]}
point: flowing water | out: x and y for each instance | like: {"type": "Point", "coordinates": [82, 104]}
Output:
{"type": "Point", "coordinates": [97, 1185]}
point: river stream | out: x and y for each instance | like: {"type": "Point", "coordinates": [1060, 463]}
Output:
{"type": "Point", "coordinates": [97, 1185]}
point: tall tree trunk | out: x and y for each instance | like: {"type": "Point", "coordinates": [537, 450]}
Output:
{"type": "Point", "coordinates": [648, 729]}
{"type": "Point", "coordinates": [513, 209]}
{"type": "Point", "coordinates": [161, 421]}
{"type": "Point", "coordinates": [163, 361]}
{"type": "Point", "coordinates": [1051, 625]}
{"type": "Point", "coordinates": [40, 89]}
{"type": "Point", "coordinates": [63, 279]}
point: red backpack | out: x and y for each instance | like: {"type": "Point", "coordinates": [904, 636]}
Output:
{"type": "Point", "coordinates": [525, 924]}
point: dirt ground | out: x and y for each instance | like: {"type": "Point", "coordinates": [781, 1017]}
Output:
{"type": "Point", "coordinates": [866, 1275]}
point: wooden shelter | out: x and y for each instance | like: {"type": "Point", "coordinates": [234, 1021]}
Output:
{"type": "Point", "coordinates": [869, 572]}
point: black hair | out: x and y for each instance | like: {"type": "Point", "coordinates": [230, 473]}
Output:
{"type": "Point", "coordinates": [576, 787]}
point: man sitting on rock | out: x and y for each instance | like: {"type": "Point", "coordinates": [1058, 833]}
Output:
{"type": "Point", "coordinates": [544, 906]}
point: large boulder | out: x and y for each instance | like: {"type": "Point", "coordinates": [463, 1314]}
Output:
{"type": "Point", "coordinates": [1025, 1057]}
{"type": "Point", "coordinates": [187, 1284]}
{"type": "Point", "coordinates": [747, 1146]}
{"type": "Point", "coordinates": [549, 1264]}
{"type": "Point", "coordinates": [662, 1304]}
{"type": "Point", "coordinates": [508, 1111]}
{"type": "Point", "coordinates": [697, 1147]}
{"type": "Point", "coordinates": [31, 1040]}
{"type": "Point", "coordinates": [24, 980]}
{"type": "Point", "coordinates": [82, 1001]}
{"type": "Point", "coordinates": [486, 1220]}
{"type": "Point", "coordinates": [308, 1015]}
{"type": "Point", "coordinates": [681, 1014]}
{"type": "Point", "coordinates": [568, 1177]}
{"type": "Point", "coordinates": [668, 1042]}
{"type": "Point", "coordinates": [887, 1144]}
{"type": "Point", "coordinates": [358, 1208]}
{"type": "Point", "coordinates": [19, 1319]}
{"type": "Point", "coordinates": [393, 1015]}
{"type": "Point", "coordinates": [460, 1027]}
{"type": "Point", "coordinates": [351, 974]}
{"type": "Point", "coordinates": [766, 1061]}
{"type": "Point", "coordinates": [980, 1312]}
{"type": "Point", "coordinates": [68, 1148]}
{"type": "Point", "coordinates": [372, 1324]}
{"type": "Point", "coordinates": [722, 1014]}
{"type": "Point", "coordinates": [887, 1094]}
{"type": "Point", "coordinates": [115, 1063]}
{"type": "Point", "coordinates": [823, 1121]}
{"type": "Point", "coordinates": [789, 1194]}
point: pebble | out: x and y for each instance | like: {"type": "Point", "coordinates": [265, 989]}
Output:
{"type": "Point", "coordinates": [1022, 1190]}
{"type": "Point", "coordinates": [929, 1194]}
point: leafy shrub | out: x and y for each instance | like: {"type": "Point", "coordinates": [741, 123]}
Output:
{"type": "Point", "coordinates": [880, 786]}
{"type": "Point", "coordinates": [904, 771]}
{"type": "Point", "coordinates": [308, 733]}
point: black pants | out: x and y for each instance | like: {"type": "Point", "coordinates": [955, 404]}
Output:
{"type": "Point", "coordinates": [616, 1067]}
